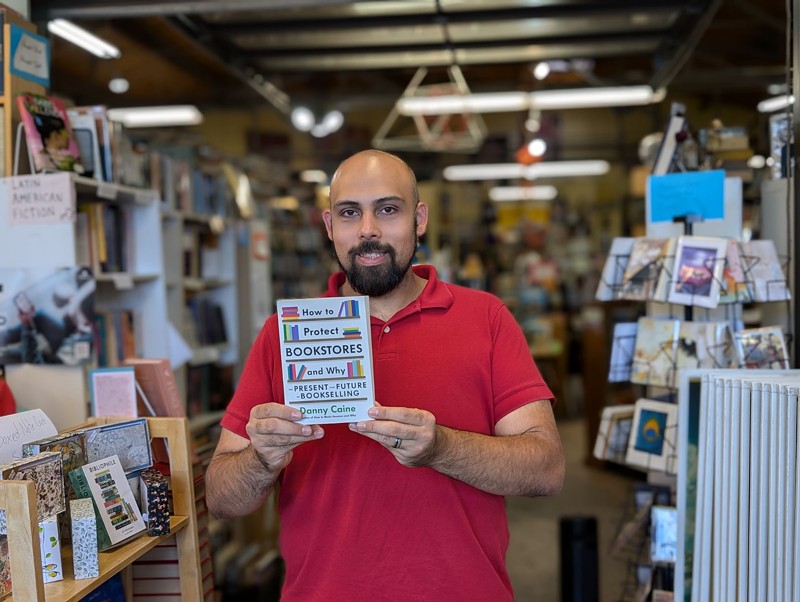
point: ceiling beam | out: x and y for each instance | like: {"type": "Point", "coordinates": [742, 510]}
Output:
{"type": "Point", "coordinates": [107, 9]}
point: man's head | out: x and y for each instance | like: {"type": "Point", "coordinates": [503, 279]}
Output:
{"type": "Point", "coordinates": [375, 219]}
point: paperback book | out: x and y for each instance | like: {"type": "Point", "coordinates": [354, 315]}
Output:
{"type": "Point", "coordinates": [118, 515]}
{"type": "Point", "coordinates": [326, 356]}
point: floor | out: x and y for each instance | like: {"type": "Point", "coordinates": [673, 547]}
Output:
{"type": "Point", "coordinates": [534, 552]}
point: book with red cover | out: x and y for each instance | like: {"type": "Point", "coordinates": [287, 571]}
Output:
{"type": "Point", "coordinates": [49, 135]}
{"type": "Point", "coordinates": [157, 380]}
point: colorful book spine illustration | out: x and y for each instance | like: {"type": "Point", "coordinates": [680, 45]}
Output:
{"type": "Point", "coordinates": [352, 333]}
{"type": "Point", "coordinates": [349, 309]}
{"type": "Point", "coordinates": [291, 332]}
{"type": "Point", "coordinates": [296, 373]}
{"type": "Point", "coordinates": [290, 313]}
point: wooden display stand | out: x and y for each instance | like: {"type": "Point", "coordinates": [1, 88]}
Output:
{"type": "Point", "coordinates": [19, 500]}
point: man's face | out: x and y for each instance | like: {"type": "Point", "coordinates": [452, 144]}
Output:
{"type": "Point", "coordinates": [374, 223]}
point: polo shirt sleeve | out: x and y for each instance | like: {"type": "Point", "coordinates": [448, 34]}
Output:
{"type": "Point", "coordinates": [516, 379]}
{"type": "Point", "coordinates": [256, 382]}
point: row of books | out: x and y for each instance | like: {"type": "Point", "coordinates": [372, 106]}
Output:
{"type": "Point", "coordinates": [104, 238]}
{"type": "Point", "coordinates": [653, 351]}
{"type": "Point", "coordinates": [693, 270]}
{"type": "Point", "coordinates": [115, 336]}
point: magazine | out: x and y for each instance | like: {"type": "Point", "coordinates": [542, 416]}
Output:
{"type": "Point", "coordinates": [51, 142]}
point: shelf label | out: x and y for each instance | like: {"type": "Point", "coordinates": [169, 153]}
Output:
{"type": "Point", "coordinates": [123, 281]}
{"type": "Point", "coordinates": [106, 191]}
{"type": "Point", "coordinates": [38, 199]}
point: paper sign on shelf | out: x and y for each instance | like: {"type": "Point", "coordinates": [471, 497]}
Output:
{"type": "Point", "coordinates": [30, 56]}
{"type": "Point", "coordinates": [694, 192]}
{"type": "Point", "coordinates": [326, 356]}
{"type": "Point", "coordinates": [38, 199]}
{"type": "Point", "coordinates": [23, 427]}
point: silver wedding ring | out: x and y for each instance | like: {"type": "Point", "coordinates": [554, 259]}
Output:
{"type": "Point", "coordinates": [397, 442]}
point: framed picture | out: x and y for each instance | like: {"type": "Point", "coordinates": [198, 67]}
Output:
{"type": "Point", "coordinates": [697, 273]}
{"type": "Point", "coordinates": [653, 439]}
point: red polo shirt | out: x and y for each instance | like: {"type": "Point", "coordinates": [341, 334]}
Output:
{"type": "Point", "coordinates": [355, 524]}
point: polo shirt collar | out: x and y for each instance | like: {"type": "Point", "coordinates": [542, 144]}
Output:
{"type": "Point", "coordinates": [436, 293]}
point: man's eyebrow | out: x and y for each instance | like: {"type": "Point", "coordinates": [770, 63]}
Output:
{"type": "Point", "coordinates": [378, 201]}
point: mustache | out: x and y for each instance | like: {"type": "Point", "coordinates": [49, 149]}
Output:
{"type": "Point", "coordinates": [371, 246]}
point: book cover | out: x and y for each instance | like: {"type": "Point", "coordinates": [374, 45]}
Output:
{"type": "Point", "coordinates": [48, 132]}
{"type": "Point", "coordinates": [129, 441]}
{"type": "Point", "coordinates": [157, 380]}
{"type": "Point", "coordinates": [118, 515]}
{"type": "Point", "coordinates": [113, 392]}
{"type": "Point", "coordinates": [84, 129]}
{"type": "Point", "coordinates": [326, 356]}
{"type": "Point", "coordinates": [45, 470]}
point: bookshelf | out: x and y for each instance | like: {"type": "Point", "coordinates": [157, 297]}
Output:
{"type": "Point", "coordinates": [138, 289]}
{"type": "Point", "coordinates": [19, 499]}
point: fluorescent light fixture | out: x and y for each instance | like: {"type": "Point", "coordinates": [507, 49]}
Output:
{"type": "Point", "coordinates": [142, 117]}
{"type": "Point", "coordinates": [511, 171]}
{"type": "Point", "coordinates": [80, 37]}
{"type": "Point", "coordinates": [500, 102]}
{"type": "Point", "coordinates": [523, 193]}
{"type": "Point", "coordinates": [776, 103]}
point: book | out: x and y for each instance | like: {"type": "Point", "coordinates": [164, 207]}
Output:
{"type": "Point", "coordinates": [129, 441]}
{"type": "Point", "coordinates": [326, 356]}
{"type": "Point", "coordinates": [113, 392]}
{"type": "Point", "coordinates": [118, 515]}
{"type": "Point", "coordinates": [91, 128]}
{"type": "Point", "coordinates": [45, 470]}
{"type": "Point", "coordinates": [48, 132]}
{"type": "Point", "coordinates": [158, 383]}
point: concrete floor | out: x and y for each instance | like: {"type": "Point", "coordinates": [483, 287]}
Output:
{"type": "Point", "coordinates": [534, 552]}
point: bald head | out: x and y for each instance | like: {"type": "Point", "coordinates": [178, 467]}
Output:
{"type": "Point", "coordinates": [374, 163]}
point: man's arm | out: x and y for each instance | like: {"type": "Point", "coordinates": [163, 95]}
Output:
{"type": "Point", "coordinates": [242, 472]}
{"type": "Point", "coordinates": [524, 457]}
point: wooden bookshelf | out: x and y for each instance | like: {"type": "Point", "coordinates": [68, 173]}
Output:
{"type": "Point", "coordinates": [19, 500]}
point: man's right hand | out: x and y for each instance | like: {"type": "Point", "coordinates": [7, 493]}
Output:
{"type": "Point", "coordinates": [274, 432]}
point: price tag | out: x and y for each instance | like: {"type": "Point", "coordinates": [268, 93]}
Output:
{"type": "Point", "coordinates": [107, 191]}
{"type": "Point", "coordinates": [123, 281]}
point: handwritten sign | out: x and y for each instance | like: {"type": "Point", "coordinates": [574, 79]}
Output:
{"type": "Point", "coordinates": [39, 199]}
{"type": "Point", "coordinates": [30, 56]}
{"type": "Point", "coordinates": [21, 428]}
{"type": "Point", "coordinates": [694, 192]}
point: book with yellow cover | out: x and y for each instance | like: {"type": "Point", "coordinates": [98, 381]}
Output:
{"type": "Point", "coordinates": [326, 356]}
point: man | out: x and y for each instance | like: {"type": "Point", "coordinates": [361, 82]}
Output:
{"type": "Point", "coordinates": [408, 506]}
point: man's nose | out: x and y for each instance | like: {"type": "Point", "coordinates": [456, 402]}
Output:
{"type": "Point", "coordinates": [369, 227]}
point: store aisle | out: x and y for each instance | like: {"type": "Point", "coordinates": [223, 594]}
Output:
{"type": "Point", "coordinates": [534, 551]}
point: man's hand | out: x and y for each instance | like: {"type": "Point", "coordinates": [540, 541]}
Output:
{"type": "Point", "coordinates": [409, 434]}
{"type": "Point", "coordinates": [274, 433]}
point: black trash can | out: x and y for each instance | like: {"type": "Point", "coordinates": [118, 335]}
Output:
{"type": "Point", "coordinates": [579, 571]}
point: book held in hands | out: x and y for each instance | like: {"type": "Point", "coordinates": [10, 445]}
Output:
{"type": "Point", "coordinates": [326, 357]}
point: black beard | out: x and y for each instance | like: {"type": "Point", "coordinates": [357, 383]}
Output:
{"type": "Point", "coordinates": [374, 281]}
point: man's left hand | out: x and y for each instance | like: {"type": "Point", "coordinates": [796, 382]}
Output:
{"type": "Point", "coordinates": [409, 434]}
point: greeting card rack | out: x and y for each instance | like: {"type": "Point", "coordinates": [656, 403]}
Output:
{"type": "Point", "coordinates": [19, 500]}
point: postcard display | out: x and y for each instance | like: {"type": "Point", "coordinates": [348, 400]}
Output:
{"type": "Point", "coordinates": [694, 272]}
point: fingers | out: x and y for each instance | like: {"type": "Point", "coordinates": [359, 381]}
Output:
{"type": "Point", "coordinates": [408, 416]}
{"type": "Point", "coordinates": [275, 425]}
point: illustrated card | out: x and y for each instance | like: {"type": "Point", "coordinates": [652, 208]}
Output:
{"type": "Point", "coordinates": [653, 441]}
{"type": "Point", "coordinates": [697, 273]}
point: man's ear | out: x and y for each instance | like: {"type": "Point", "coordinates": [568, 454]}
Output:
{"type": "Point", "coordinates": [422, 218]}
{"type": "Point", "coordinates": [327, 216]}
